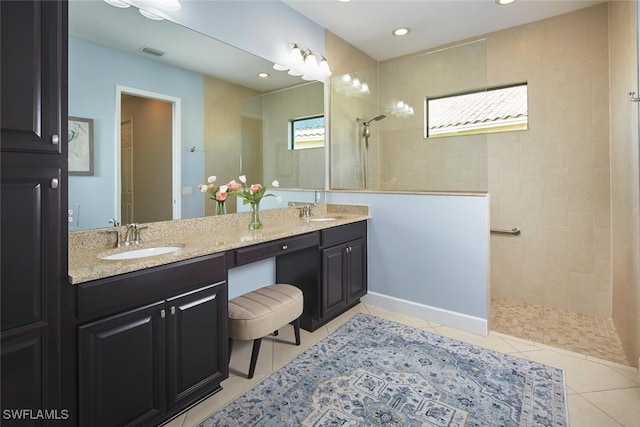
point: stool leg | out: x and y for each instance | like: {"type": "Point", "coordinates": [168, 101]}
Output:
{"type": "Point", "coordinates": [254, 356]}
{"type": "Point", "coordinates": [229, 350]}
{"type": "Point", "coordinates": [296, 330]}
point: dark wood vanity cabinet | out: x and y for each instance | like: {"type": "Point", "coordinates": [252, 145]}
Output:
{"type": "Point", "coordinates": [33, 170]}
{"type": "Point", "coordinates": [332, 276]}
{"type": "Point", "coordinates": [344, 276]}
{"type": "Point", "coordinates": [142, 366]}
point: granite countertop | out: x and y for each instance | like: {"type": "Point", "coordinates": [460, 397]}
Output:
{"type": "Point", "coordinates": [196, 237]}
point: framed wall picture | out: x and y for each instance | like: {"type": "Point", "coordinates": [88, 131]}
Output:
{"type": "Point", "coordinates": [80, 146]}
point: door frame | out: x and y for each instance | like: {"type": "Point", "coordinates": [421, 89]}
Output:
{"type": "Point", "coordinates": [176, 114]}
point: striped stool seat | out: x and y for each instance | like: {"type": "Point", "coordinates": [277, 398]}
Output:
{"type": "Point", "coordinates": [261, 312]}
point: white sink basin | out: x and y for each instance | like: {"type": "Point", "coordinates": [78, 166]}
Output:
{"type": "Point", "coordinates": [324, 218]}
{"type": "Point", "coordinates": [141, 253]}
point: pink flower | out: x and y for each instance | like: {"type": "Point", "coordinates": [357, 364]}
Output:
{"type": "Point", "coordinates": [234, 186]}
{"type": "Point", "coordinates": [255, 187]}
{"type": "Point", "coordinates": [221, 197]}
{"type": "Point", "coordinates": [212, 187]}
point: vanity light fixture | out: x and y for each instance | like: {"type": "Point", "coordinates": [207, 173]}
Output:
{"type": "Point", "coordinates": [310, 61]}
{"type": "Point", "coordinates": [402, 31]}
{"type": "Point", "coordinates": [504, 2]}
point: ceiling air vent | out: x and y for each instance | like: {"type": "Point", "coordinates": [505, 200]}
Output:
{"type": "Point", "coordinates": [150, 51]}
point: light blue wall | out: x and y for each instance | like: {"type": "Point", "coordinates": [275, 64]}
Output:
{"type": "Point", "coordinates": [264, 28]}
{"type": "Point", "coordinates": [94, 72]}
{"type": "Point", "coordinates": [428, 249]}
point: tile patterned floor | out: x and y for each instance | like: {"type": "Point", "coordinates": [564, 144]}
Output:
{"type": "Point", "coordinates": [599, 393]}
{"type": "Point", "coordinates": [576, 332]}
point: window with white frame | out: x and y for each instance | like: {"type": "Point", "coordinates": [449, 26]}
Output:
{"type": "Point", "coordinates": [497, 109]}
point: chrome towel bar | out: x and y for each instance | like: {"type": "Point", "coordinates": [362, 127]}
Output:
{"type": "Point", "coordinates": [513, 232]}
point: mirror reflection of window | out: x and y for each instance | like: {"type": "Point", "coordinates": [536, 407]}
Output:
{"type": "Point", "coordinates": [306, 133]}
{"type": "Point", "coordinates": [491, 110]}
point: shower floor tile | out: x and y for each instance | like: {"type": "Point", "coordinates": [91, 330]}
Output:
{"type": "Point", "coordinates": [575, 332]}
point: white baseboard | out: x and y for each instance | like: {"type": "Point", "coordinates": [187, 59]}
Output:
{"type": "Point", "coordinates": [472, 324]}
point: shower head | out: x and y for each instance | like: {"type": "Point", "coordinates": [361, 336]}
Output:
{"type": "Point", "coordinates": [375, 119]}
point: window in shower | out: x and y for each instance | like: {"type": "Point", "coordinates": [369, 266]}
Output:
{"type": "Point", "coordinates": [497, 109]}
{"type": "Point", "coordinates": [306, 133]}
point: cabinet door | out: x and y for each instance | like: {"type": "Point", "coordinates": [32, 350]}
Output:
{"type": "Point", "coordinates": [196, 343]}
{"type": "Point", "coordinates": [122, 369]}
{"type": "Point", "coordinates": [334, 295]}
{"type": "Point", "coordinates": [34, 40]}
{"type": "Point", "coordinates": [356, 274]}
{"type": "Point", "coordinates": [30, 276]}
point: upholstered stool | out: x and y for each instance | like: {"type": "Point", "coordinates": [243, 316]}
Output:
{"type": "Point", "coordinates": [263, 311]}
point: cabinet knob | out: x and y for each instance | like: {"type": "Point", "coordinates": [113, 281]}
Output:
{"type": "Point", "coordinates": [162, 313]}
{"type": "Point", "coordinates": [55, 139]}
{"type": "Point", "coordinates": [55, 182]}
{"type": "Point", "coordinates": [173, 310]}
{"type": "Point", "coordinates": [284, 247]}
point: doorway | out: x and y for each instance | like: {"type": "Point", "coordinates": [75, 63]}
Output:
{"type": "Point", "coordinates": [147, 149]}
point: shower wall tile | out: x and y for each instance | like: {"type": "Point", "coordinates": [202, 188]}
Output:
{"type": "Point", "coordinates": [563, 167]}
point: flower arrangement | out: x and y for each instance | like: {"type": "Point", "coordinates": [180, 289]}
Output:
{"type": "Point", "coordinates": [252, 194]}
{"type": "Point", "coordinates": [218, 194]}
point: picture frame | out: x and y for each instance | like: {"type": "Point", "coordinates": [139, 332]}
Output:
{"type": "Point", "coordinates": [80, 140]}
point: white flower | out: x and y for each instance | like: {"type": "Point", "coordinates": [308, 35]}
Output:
{"type": "Point", "coordinates": [203, 188]}
{"type": "Point", "coordinates": [211, 179]}
{"type": "Point", "coordinates": [223, 188]}
{"type": "Point", "coordinates": [243, 179]}
{"type": "Point", "coordinates": [275, 184]}
{"type": "Point", "coordinates": [278, 199]}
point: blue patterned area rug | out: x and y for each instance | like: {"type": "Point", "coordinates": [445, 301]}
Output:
{"type": "Point", "coordinates": [374, 372]}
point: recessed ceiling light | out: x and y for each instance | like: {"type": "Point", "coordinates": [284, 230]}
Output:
{"type": "Point", "coordinates": [344, 1]}
{"type": "Point", "coordinates": [505, 2]}
{"type": "Point", "coordinates": [263, 75]}
{"type": "Point", "coordinates": [403, 31]}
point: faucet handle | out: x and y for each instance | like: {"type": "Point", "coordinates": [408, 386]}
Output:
{"type": "Point", "coordinates": [136, 238]}
{"type": "Point", "coordinates": [118, 237]}
{"type": "Point", "coordinates": [113, 222]}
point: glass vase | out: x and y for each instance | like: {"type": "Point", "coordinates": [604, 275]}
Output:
{"type": "Point", "coordinates": [221, 208]}
{"type": "Point", "coordinates": [255, 223]}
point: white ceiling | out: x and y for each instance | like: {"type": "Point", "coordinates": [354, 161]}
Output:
{"type": "Point", "coordinates": [367, 24]}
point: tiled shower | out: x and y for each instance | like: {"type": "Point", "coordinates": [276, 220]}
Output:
{"type": "Point", "coordinates": [556, 182]}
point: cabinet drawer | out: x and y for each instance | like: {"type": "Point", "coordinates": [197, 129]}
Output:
{"type": "Point", "coordinates": [115, 294]}
{"type": "Point", "coordinates": [277, 247]}
{"type": "Point", "coordinates": [344, 233]}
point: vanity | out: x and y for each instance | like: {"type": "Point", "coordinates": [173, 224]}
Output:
{"type": "Point", "coordinates": [152, 331]}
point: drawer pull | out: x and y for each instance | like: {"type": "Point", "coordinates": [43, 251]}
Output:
{"type": "Point", "coordinates": [162, 313]}
{"type": "Point", "coordinates": [173, 310]}
{"type": "Point", "coordinates": [285, 247]}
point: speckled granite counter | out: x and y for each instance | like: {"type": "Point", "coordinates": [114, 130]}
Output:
{"type": "Point", "coordinates": [196, 237]}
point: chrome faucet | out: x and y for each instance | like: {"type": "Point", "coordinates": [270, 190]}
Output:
{"type": "Point", "coordinates": [304, 207]}
{"type": "Point", "coordinates": [131, 233]}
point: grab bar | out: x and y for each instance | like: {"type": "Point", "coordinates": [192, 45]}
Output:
{"type": "Point", "coordinates": [513, 232]}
